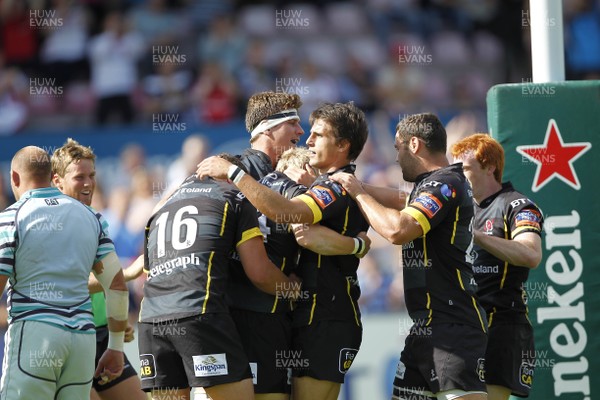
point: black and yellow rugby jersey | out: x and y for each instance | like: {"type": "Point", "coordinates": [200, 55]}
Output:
{"type": "Point", "coordinates": [282, 250]}
{"type": "Point", "coordinates": [439, 286]}
{"type": "Point", "coordinates": [330, 284]}
{"type": "Point", "coordinates": [506, 214]}
{"type": "Point", "coordinates": [190, 241]}
{"type": "Point", "coordinates": [257, 163]}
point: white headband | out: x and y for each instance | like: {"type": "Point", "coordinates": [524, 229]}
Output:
{"type": "Point", "coordinates": [273, 120]}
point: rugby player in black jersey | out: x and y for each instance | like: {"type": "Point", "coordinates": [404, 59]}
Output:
{"type": "Point", "coordinates": [444, 351]}
{"type": "Point", "coordinates": [187, 337]}
{"type": "Point", "coordinates": [264, 321]}
{"type": "Point", "coordinates": [273, 123]}
{"type": "Point", "coordinates": [327, 327]}
{"type": "Point", "coordinates": [508, 243]}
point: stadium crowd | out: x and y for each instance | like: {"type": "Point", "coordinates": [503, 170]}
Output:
{"type": "Point", "coordinates": [202, 60]}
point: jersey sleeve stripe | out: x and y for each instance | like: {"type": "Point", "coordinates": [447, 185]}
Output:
{"type": "Point", "coordinates": [8, 244]}
{"type": "Point", "coordinates": [224, 219]}
{"type": "Point", "coordinates": [420, 217]}
{"type": "Point", "coordinates": [525, 229]}
{"type": "Point", "coordinates": [310, 202]}
{"type": "Point", "coordinates": [208, 279]}
{"type": "Point", "coordinates": [249, 234]}
{"type": "Point", "coordinates": [455, 223]}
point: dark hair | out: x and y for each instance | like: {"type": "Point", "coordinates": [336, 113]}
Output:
{"type": "Point", "coordinates": [347, 121]}
{"type": "Point", "coordinates": [426, 127]}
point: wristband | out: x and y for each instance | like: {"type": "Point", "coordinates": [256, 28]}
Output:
{"type": "Point", "coordinates": [235, 174]}
{"type": "Point", "coordinates": [116, 340]}
{"type": "Point", "coordinates": [359, 245]}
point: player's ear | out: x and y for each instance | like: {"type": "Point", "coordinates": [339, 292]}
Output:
{"type": "Point", "coordinates": [414, 144]}
{"type": "Point", "coordinates": [343, 145]}
{"type": "Point", "coordinates": [15, 178]}
{"type": "Point", "coordinates": [57, 181]}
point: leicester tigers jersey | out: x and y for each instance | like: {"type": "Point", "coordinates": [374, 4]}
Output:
{"type": "Point", "coordinates": [48, 245]}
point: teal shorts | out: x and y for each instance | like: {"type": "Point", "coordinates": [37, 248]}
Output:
{"type": "Point", "coordinates": [45, 361]}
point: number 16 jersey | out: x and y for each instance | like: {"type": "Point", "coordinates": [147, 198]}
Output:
{"type": "Point", "coordinates": [189, 242]}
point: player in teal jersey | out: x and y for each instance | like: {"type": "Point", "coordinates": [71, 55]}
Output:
{"type": "Point", "coordinates": [49, 243]}
{"type": "Point", "coordinates": [74, 174]}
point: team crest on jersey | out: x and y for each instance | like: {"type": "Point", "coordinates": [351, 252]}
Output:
{"type": "Point", "coordinates": [322, 195]}
{"type": "Point", "coordinates": [489, 226]}
{"type": "Point", "coordinates": [427, 203]}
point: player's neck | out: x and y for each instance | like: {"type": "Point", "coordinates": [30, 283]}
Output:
{"type": "Point", "coordinates": [268, 150]}
{"type": "Point", "coordinates": [434, 162]}
{"type": "Point", "coordinates": [489, 188]}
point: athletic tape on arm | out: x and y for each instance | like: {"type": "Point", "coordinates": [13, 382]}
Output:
{"type": "Point", "coordinates": [117, 301]}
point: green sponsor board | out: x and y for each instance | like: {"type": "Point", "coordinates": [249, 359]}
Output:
{"type": "Point", "coordinates": [551, 136]}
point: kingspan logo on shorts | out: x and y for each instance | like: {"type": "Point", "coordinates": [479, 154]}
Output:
{"type": "Point", "coordinates": [210, 365]}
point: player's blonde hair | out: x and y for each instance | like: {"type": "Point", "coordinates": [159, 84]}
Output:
{"type": "Point", "coordinates": [295, 157]}
{"type": "Point", "coordinates": [70, 152]}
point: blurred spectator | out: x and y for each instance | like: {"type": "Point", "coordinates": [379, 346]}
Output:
{"type": "Point", "coordinates": [395, 294]}
{"type": "Point", "coordinates": [131, 158]}
{"type": "Point", "coordinates": [399, 87]}
{"type": "Point", "coordinates": [255, 75]}
{"type": "Point", "coordinates": [214, 94]}
{"type": "Point", "coordinates": [223, 44]}
{"type": "Point", "coordinates": [315, 87]}
{"type": "Point", "coordinates": [141, 202]}
{"type": "Point", "coordinates": [63, 53]}
{"type": "Point", "coordinates": [205, 11]}
{"type": "Point", "coordinates": [166, 91]}
{"type": "Point", "coordinates": [13, 92]}
{"type": "Point", "coordinates": [113, 58]}
{"type": "Point", "coordinates": [157, 23]}
{"type": "Point", "coordinates": [194, 149]}
{"type": "Point", "coordinates": [5, 199]}
{"type": "Point", "coordinates": [356, 84]}
{"type": "Point", "coordinates": [371, 285]}
{"type": "Point", "coordinates": [18, 38]}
